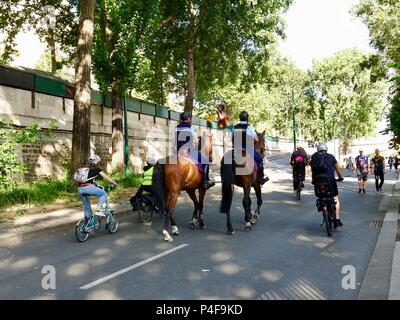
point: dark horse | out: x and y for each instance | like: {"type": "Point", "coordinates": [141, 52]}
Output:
{"type": "Point", "coordinates": [243, 174]}
{"type": "Point", "coordinates": [180, 173]}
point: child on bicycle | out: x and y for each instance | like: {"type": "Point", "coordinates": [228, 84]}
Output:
{"type": "Point", "coordinates": [146, 183]}
{"type": "Point", "coordinates": [91, 188]}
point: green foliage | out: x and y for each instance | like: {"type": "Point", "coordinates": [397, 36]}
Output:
{"type": "Point", "coordinates": [231, 41]}
{"type": "Point", "coordinates": [35, 193]}
{"type": "Point", "coordinates": [353, 103]}
{"type": "Point", "coordinates": [10, 137]}
{"type": "Point", "coordinates": [383, 20]}
{"type": "Point", "coordinates": [120, 29]}
{"type": "Point", "coordinates": [17, 16]}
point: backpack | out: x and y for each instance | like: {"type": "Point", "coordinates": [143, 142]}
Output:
{"type": "Point", "coordinates": [319, 163]}
{"type": "Point", "coordinates": [323, 186]}
{"type": "Point", "coordinates": [81, 175]}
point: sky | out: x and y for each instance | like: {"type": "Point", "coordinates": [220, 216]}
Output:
{"type": "Point", "coordinates": [316, 29]}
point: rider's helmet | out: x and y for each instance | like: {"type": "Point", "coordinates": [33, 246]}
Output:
{"type": "Point", "coordinates": [322, 147]}
{"type": "Point", "coordinates": [151, 161]}
{"type": "Point", "coordinates": [185, 116]}
{"type": "Point", "coordinates": [95, 159]}
{"type": "Point", "coordinates": [244, 116]}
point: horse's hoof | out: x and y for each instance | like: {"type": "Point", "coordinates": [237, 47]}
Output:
{"type": "Point", "coordinates": [230, 232]}
{"type": "Point", "coordinates": [176, 233]}
{"type": "Point", "coordinates": [201, 226]}
{"type": "Point", "coordinates": [168, 239]}
{"type": "Point", "coordinates": [254, 218]}
{"type": "Point", "coordinates": [247, 226]}
{"type": "Point", "coordinates": [192, 226]}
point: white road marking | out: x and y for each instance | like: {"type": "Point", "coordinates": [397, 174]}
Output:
{"type": "Point", "coordinates": [132, 267]}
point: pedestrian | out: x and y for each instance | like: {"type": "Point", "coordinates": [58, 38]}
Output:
{"type": "Point", "coordinates": [362, 170]}
{"type": "Point", "coordinates": [378, 164]}
{"type": "Point", "coordinates": [390, 162]}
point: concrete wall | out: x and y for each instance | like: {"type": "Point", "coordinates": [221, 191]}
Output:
{"type": "Point", "coordinates": [149, 136]}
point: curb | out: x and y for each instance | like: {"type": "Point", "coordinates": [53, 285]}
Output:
{"type": "Point", "coordinates": [377, 279]}
{"type": "Point", "coordinates": [17, 237]}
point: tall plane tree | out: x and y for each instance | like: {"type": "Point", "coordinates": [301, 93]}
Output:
{"type": "Point", "coordinates": [83, 66]}
{"type": "Point", "coordinates": [121, 27]}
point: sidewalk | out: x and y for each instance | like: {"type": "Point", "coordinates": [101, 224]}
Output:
{"type": "Point", "coordinates": [382, 279]}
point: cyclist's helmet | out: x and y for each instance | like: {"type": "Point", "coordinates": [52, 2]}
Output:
{"type": "Point", "coordinates": [244, 116]}
{"type": "Point", "coordinates": [322, 147]}
{"type": "Point", "coordinates": [185, 116]}
{"type": "Point", "coordinates": [95, 159]}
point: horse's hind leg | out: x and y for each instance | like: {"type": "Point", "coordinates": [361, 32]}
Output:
{"type": "Point", "coordinates": [257, 189]}
{"type": "Point", "coordinates": [247, 208]}
{"type": "Point", "coordinates": [202, 193]}
{"type": "Point", "coordinates": [172, 199]}
{"type": "Point", "coordinates": [192, 195]}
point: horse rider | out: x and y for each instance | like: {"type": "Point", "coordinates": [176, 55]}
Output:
{"type": "Point", "coordinates": [247, 131]}
{"type": "Point", "coordinates": [185, 137]}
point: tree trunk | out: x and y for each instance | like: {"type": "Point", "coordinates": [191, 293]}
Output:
{"type": "Point", "coordinates": [52, 45]}
{"type": "Point", "coordinates": [191, 81]}
{"type": "Point", "coordinates": [81, 120]}
{"type": "Point", "coordinates": [117, 157]}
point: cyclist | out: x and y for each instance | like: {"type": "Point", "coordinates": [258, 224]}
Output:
{"type": "Point", "coordinates": [298, 160]}
{"type": "Point", "coordinates": [378, 164]}
{"type": "Point", "coordinates": [330, 166]}
{"type": "Point", "coordinates": [185, 137]}
{"type": "Point", "coordinates": [147, 182]}
{"type": "Point", "coordinates": [362, 170]}
{"type": "Point", "coordinates": [90, 188]}
{"type": "Point", "coordinates": [248, 131]}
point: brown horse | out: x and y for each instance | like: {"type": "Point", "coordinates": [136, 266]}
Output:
{"type": "Point", "coordinates": [239, 169]}
{"type": "Point", "coordinates": [176, 174]}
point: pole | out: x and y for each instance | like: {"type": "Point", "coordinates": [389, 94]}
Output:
{"type": "Point", "coordinates": [126, 149]}
{"type": "Point", "coordinates": [323, 108]}
{"type": "Point", "coordinates": [334, 135]}
{"type": "Point", "coordinates": [294, 121]}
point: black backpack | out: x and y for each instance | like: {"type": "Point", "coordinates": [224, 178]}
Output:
{"type": "Point", "coordinates": [323, 187]}
{"type": "Point", "coordinates": [319, 163]}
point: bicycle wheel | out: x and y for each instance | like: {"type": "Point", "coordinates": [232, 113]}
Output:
{"type": "Point", "coordinates": [327, 222]}
{"type": "Point", "coordinates": [80, 231]}
{"type": "Point", "coordinates": [298, 193]}
{"type": "Point", "coordinates": [145, 212]}
{"type": "Point", "coordinates": [112, 223]}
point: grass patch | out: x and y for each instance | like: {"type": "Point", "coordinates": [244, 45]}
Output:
{"type": "Point", "coordinates": [48, 191]}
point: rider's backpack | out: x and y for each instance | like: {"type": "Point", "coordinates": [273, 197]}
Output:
{"type": "Point", "coordinates": [81, 175]}
{"type": "Point", "coordinates": [323, 187]}
{"type": "Point", "coordinates": [319, 163]}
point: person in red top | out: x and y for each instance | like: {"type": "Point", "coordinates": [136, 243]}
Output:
{"type": "Point", "coordinates": [362, 170]}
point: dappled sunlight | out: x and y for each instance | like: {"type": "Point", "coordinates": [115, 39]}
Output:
{"type": "Point", "coordinates": [299, 289]}
{"type": "Point", "coordinates": [77, 269]}
{"type": "Point", "coordinates": [221, 256]}
{"type": "Point", "coordinates": [152, 269]}
{"type": "Point", "coordinates": [272, 275]}
{"type": "Point", "coordinates": [27, 262]}
{"type": "Point", "coordinates": [102, 251]}
{"type": "Point", "coordinates": [45, 297]}
{"type": "Point", "coordinates": [193, 276]}
{"type": "Point", "coordinates": [229, 268]}
{"type": "Point", "coordinates": [103, 294]}
{"type": "Point", "coordinates": [317, 241]}
{"type": "Point", "coordinates": [244, 292]}
{"type": "Point", "coordinates": [214, 237]}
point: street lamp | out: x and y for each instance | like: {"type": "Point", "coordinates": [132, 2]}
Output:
{"type": "Point", "coordinates": [321, 97]}
{"type": "Point", "coordinates": [305, 92]}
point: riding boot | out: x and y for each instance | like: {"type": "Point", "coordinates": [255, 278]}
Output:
{"type": "Point", "coordinates": [260, 176]}
{"type": "Point", "coordinates": [207, 182]}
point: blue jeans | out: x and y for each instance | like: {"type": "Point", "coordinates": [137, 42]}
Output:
{"type": "Point", "coordinates": [88, 191]}
{"type": "Point", "coordinates": [258, 158]}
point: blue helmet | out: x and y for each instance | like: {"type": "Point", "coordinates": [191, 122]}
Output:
{"type": "Point", "coordinates": [186, 115]}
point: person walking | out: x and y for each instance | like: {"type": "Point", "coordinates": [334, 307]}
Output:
{"type": "Point", "coordinates": [362, 170]}
{"type": "Point", "coordinates": [378, 165]}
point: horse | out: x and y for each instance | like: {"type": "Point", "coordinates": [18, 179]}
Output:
{"type": "Point", "coordinates": [181, 173]}
{"type": "Point", "coordinates": [229, 178]}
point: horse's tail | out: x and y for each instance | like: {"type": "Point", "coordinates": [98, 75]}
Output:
{"type": "Point", "coordinates": [228, 180]}
{"type": "Point", "coordinates": [158, 185]}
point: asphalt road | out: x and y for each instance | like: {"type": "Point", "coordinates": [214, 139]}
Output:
{"type": "Point", "coordinates": [286, 255]}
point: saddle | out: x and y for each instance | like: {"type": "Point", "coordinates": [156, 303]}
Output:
{"type": "Point", "coordinates": [243, 164]}
{"type": "Point", "coordinates": [192, 158]}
